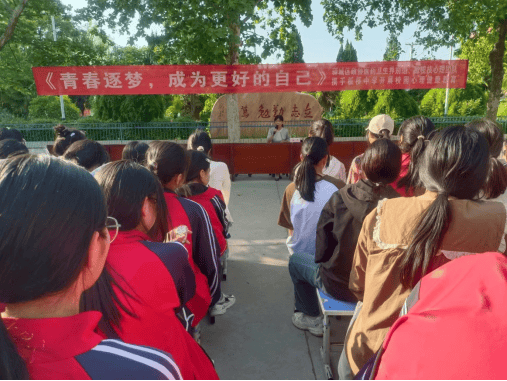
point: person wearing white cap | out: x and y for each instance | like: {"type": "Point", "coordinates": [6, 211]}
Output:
{"type": "Point", "coordinates": [380, 127]}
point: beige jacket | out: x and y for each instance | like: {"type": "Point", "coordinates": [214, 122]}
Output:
{"type": "Point", "coordinates": [475, 227]}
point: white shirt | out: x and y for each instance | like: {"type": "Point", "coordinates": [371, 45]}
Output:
{"type": "Point", "coordinates": [336, 169]}
{"type": "Point", "coordinates": [220, 178]}
{"type": "Point", "coordinates": [304, 217]}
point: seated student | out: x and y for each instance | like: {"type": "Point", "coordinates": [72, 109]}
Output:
{"type": "Point", "coordinates": [414, 135]}
{"type": "Point", "coordinates": [11, 147]}
{"type": "Point", "coordinates": [340, 223]}
{"type": "Point", "coordinates": [168, 162]}
{"type": "Point", "coordinates": [212, 201]}
{"type": "Point", "coordinates": [157, 275]}
{"type": "Point", "coordinates": [53, 246]}
{"type": "Point", "coordinates": [304, 198]}
{"type": "Point", "coordinates": [496, 182]}
{"type": "Point", "coordinates": [219, 177]}
{"type": "Point", "coordinates": [455, 326]}
{"type": "Point", "coordinates": [324, 129]}
{"type": "Point", "coordinates": [65, 137]}
{"type": "Point", "coordinates": [405, 238]}
{"type": "Point", "coordinates": [87, 154]}
{"type": "Point", "coordinates": [135, 151]}
{"type": "Point", "coordinates": [380, 127]}
{"type": "Point", "coordinates": [11, 133]}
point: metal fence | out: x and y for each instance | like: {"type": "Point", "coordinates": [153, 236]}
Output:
{"type": "Point", "coordinates": [120, 132]}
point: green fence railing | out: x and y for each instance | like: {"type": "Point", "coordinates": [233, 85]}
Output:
{"type": "Point", "coordinates": [34, 132]}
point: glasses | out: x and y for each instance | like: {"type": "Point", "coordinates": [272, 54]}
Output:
{"type": "Point", "coordinates": [112, 224]}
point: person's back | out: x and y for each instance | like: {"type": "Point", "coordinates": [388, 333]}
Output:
{"type": "Point", "coordinates": [404, 238]}
{"type": "Point", "coordinates": [455, 326]}
{"type": "Point", "coordinates": [153, 279]}
{"type": "Point", "coordinates": [334, 168]}
{"type": "Point", "coordinates": [53, 247]}
{"type": "Point", "coordinates": [342, 218]}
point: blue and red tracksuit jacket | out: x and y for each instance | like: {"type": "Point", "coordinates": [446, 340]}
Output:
{"type": "Point", "coordinates": [68, 348]}
{"type": "Point", "coordinates": [213, 202]}
{"type": "Point", "coordinates": [203, 249]}
{"type": "Point", "coordinates": [160, 282]}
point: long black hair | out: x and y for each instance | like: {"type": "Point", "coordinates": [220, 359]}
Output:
{"type": "Point", "coordinates": [87, 154]}
{"type": "Point", "coordinates": [381, 163]}
{"type": "Point", "coordinates": [65, 137]}
{"type": "Point", "coordinates": [454, 164]}
{"type": "Point", "coordinates": [166, 160]}
{"type": "Point", "coordinates": [135, 151]}
{"type": "Point", "coordinates": [126, 185]}
{"type": "Point", "coordinates": [198, 161]}
{"type": "Point", "coordinates": [198, 139]}
{"type": "Point", "coordinates": [313, 151]}
{"type": "Point", "coordinates": [11, 133]}
{"type": "Point", "coordinates": [11, 147]}
{"type": "Point", "coordinates": [496, 182]}
{"type": "Point", "coordinates": [49, 211]}
{"type": "Point", "coordinates": [415, 133]}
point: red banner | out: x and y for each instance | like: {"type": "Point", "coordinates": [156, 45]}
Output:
{"type": "Point", "coordinates": [205, 79]}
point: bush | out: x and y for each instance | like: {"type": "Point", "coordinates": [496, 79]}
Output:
{"type": "Point", "coordinates": [128, 108]}
{"type": "Point", "coordinates": [398, 104]}
{"type": "Point", "coordinates": [354, 104]}
{"type": "Point", "coordinates": [44, 107]}
{"type": "Point", "coordinates": [462, 102]}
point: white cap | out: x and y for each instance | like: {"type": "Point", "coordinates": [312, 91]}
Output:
{"type": "Point", "coordinates": [381, 122]}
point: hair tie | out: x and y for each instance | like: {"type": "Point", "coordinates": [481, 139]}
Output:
{"type": "Point", "coordinates": [200, 148]}
{"type": "Point", "coordinates": [421, 137]}
{"type": "Point", "coordinates": [71, 135]}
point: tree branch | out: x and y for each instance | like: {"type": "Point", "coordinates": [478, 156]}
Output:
{"type": "Point", "coordinates": [9, 31]}
{"type": "Point", "coordinates": [249, 17]}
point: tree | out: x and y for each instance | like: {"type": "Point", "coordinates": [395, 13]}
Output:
{"type": "Point", "coordinates": [293, 49]}
{"type": "Point", "coordinates": [349, 54]}
{"type": "Point", "coordinates": [393, 49]}
{"type": "Point", "coordinates": [470, 101]}
{"type": "Point", "coordinates": [129, 108]}
{"type": "Point", "coordinates": [13, 21]}
{"type": "Point", "coordinates": [439, 21]}
{"type": "Point", "coordinates": [49, 108]}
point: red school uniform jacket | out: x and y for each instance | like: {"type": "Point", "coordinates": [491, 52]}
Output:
{"type": "Point", "coordinates": [203, 249]}
{"type": "Point", "coordinates": [68, 348]}
{"type": "Point", "coordinates": [212, 201]}
{"type": "Point", "coordinates": [160, 282]}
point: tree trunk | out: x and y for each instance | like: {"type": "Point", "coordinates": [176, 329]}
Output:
{"type": "Point", "coordinates": [233, 125]}
{"type": "Point", "coordinates": [9, 31]}
{"type": "Point", "coordinates": [497, 72]}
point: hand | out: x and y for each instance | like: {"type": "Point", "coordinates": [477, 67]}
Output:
{"type": "Point", "coordinates": [179, 234]}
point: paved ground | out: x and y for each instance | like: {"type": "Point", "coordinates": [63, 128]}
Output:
{"type": "Point", "coordinates": [255, 339]}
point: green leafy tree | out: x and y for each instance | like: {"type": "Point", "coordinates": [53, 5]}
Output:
{"type": "Point", "coordinates": [49, 108]}
{"type": "Point", "coordinates": [398, 104]}
{"type": "Point", "coordinates": [462, 102]}
{"type": "Point", "coordinates": [393, 49]}
{"type": "Point", "coordinates": [128, 108]}
{"type": "Point", "coordinates": [349, 54]}
{"type": "Point", "coordinates": [293, 49]}
{"type": "Point", "coordinates": [439, 22]}
{"type": "Point", "coordinates": [354, 104]}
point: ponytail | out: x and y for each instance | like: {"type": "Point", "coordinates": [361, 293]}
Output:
{"type": "Point", "coordinates": [305, 179]}
{"type": "Point", "coordinates": [313, 150]}
{"type": "Point", "coordinates": [415, 133]}
{"type": "Point", "coordinates": [426, 240]}
{"type": "Point", "coordinates": [103, 298]}
{"type": "Point", "coordinates": [12, 366]}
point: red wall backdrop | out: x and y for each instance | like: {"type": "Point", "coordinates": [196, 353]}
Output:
{"type": "Point", "coordinates": [257, 158]}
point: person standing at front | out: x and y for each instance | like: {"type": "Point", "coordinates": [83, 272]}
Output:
{"type": "Point", "coordinates": [278, 134]}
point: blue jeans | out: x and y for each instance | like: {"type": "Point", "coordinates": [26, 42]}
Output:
{"type": "Point", "coordinates": [305, 274]}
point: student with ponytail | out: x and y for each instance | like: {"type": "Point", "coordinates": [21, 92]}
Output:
{"type": "Point", "coordinates": [380, 127]}
{"type": "Point", "coordinates": [65, 137]}
{"type": "Point", "coordinates": [212, 201]}
{"type": "Point", "coordinates": [405, 238]}
{"type": "Point", "coordinates": [496, 182]}
{"type": "Point", "coordinates": [324, 129]}
{"type": "Point", "coordinates": [414, 135]}
{"type": "Point", "coordinates": [158, 275]}
{"type": "Point", "coordinates": [337, 232]}
{"type": "Point", "coordinates": [169, 163]}
{"type": "Point", "coordinates": [53, 246]}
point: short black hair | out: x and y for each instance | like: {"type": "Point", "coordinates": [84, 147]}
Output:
{"type": "Point", "coordinates": [381, 161]}
{"type": "Point", "coordinates": [135, 151]}
{"type": "Point", "coordinates": [11, 147]}
{"type": "Point", "coordinates": [87, 153]}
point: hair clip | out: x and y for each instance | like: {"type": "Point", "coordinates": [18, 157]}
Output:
{"type": "Point", "coordinates": [71, 135]}
{"type": "Point", "coordinates": [421, 137]}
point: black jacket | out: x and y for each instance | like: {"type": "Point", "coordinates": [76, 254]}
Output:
{"type": "Point", "coordinates": [338, 230]}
